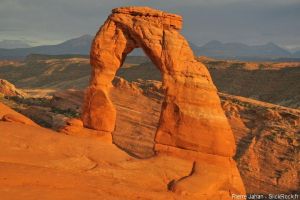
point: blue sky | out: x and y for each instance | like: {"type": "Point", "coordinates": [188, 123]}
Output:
{"type": "Point", "coordinates": [247, 21]}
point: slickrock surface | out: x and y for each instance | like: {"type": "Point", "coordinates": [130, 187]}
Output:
{"type": "Point", "coordinates": [9, 115]}
{"type": "Point", "coordinates": [191, 115]}
{"type": "Point", "coordinates": [37, 163]}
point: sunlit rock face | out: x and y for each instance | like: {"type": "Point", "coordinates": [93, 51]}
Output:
{"type": "Point", "coordinates": [8, 89]}
{"type": "Point", "coordinates": [191, 117]}
{"type": "Point", "coordinates": [192, 123]}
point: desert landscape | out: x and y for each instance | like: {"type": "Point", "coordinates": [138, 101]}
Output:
{"type": "Point", "coordinates": [164, 125]}
{"type": "Point", "coordinates": [51, 100]}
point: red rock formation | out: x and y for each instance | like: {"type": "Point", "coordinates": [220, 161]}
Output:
{"type": "Point", "coordinates": [266, 134]}
{"type": "Point", "coordinates": [8, 89]}
{"type": "Point", "coordinates": [75, 127]}
{"type": "Point", "coordinates": [268, 141]}
{"type": "Point", "coordinates": [191, 118]}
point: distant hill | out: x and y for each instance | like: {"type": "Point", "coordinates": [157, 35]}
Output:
{"type": "Point", "coordinates": [213, 49]}
{"type": "Point", "coordinates": [12, 44]}
{"type": "Point", "coordinates": [272, 82]}
{"type": "Point", "coordinates": [296, 54]}
{"type": "Point", "coordinates": [80, 45]}
{"type": "Point", "coordinates": [240, 51]}
{"type": "Point", "coordinates": [295, 49]}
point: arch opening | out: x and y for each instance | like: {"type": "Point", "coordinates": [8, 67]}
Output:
{"type": "Point", "coordinates": [137, 96]}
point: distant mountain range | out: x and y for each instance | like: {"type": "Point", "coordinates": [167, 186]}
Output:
{"type": "Point", "coordinates": [80, 45]}
{"type": "Point", "coordinates": [240, 51]}
{"type": "Point", "coordinates": [12, 44]}
{"type": "Point", "coordinates": [214, 49]}
{"type": "Point", "coordinates": [296, 54]}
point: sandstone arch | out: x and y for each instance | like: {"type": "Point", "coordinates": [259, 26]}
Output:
{"type": "Point", "coordinates": [191, 116]}
{"type": "Point", "coordinates": [192, 123]}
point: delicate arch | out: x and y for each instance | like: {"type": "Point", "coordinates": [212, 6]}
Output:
{"type": "Point", "coordinates": [191, 116]}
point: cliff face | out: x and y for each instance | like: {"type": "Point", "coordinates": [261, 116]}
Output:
{"type": "Point", "coordinates": [267, 136]}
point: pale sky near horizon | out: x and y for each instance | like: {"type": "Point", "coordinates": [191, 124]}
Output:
{"type": "Point", "coordinates": [248, 21]}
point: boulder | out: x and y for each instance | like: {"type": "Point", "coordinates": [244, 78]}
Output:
{"type": "Point", "coordinates": [8, 89]}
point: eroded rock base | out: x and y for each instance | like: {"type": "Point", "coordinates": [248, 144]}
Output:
{"type": "Point", "coordinates": [211, 177]}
